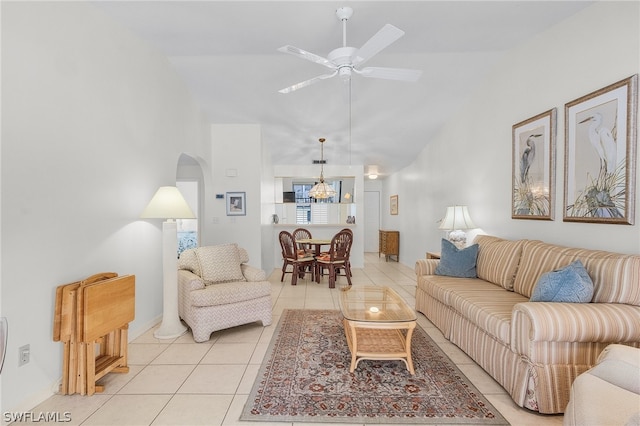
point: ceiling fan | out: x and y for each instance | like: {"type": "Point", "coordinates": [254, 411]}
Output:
{"type": "Point", "coordinates": [345, 60]}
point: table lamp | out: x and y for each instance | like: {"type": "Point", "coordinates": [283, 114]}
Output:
{"type": "Point", "coordinates": [168, 203]}
{"type": "Point", "coordinates": [457, 220]}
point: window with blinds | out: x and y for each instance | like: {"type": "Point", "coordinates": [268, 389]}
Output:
{"type": "Point", "coordinates": [303, 214]}
{"type": "Point", "coordinates": [320, 213]}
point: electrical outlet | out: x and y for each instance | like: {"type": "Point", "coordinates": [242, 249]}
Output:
{"type": "Point", "coordinates": [24, 353]}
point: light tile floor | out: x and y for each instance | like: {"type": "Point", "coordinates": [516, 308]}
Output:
{"type": "Point", "coordinates": [180, 382]}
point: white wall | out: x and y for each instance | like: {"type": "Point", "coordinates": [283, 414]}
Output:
{"type": "Point", "coordinates": [93, 122]}
{"type": "Point", "coordinates": [237, 167]}
{"type": "Point", "coordinates": [470, 161]}
{"type": "Point", "coordinates": [267, 194]}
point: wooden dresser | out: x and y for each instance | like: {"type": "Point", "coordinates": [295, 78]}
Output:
{"type": "Point", "coordinates": [389, 244]}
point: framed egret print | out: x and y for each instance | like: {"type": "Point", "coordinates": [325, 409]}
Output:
{"type": "Point", "coordinates": [533, 167]}
{"type": "Point", "coordinates": [236, 204]}
{"type": "Point", "coordinates": [600, 159]}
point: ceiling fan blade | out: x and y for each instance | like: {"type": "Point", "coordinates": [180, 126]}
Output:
{"type": "Point", "coordinates": [383, 38]}
{"type": "Point", "coordinates": [401, 74]}
{"type": "Point", "coordinates": [292, 50]}
{"type": "Point", "coordinates": [307, 82]}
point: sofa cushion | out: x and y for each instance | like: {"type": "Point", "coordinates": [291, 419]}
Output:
{"type": "Point", "coordinates": [489, 310]}
{"type": "Point", "coordinates": [498, 259]}
{"type": "Point", "coordinates": [220, 264]}
{"type": "Point", "coordinates": [485, 304]}
{"type": "Point", "coordinates": [570, 284]}
{"type": "Point", "coordinates": [457, 263]}
{"type": "Point", "coordinates": [188, 260]}
{"type": "Point", "coordinates": [441, 287]}
{"type": "Point", "coordinates": [611, 276]}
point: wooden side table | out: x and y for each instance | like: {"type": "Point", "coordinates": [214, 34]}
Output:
{"type": "Point", "coordinates": [389, 244]}
{"type": "Point", "coordinates": [433, 255]}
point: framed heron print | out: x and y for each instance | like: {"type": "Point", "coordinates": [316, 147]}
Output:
{"type": "Point", "coordinates": [533, 167]}
{"type": "Point", "coordinates": [600, 159]}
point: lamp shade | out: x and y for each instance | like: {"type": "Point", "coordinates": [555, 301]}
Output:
{"type": "Point", "coordinates": [322, 190]}
{"type": "Point", "coordinates": [457, 218]}
{"type": "Point", "coordinates": [167, 203]}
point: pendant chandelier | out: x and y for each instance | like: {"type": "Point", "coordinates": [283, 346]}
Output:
{"type": "Point", "coordinates": [321, 190]}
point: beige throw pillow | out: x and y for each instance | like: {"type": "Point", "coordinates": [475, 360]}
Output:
{"type": "Point", "coordinates": [220, 264]}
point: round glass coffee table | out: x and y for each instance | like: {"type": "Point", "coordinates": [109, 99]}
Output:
{"type": "Point", "coordinates": [378, 324]}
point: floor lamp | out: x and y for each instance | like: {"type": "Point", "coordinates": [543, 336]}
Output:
{"type": "Point", "coordinates": [168, 203]}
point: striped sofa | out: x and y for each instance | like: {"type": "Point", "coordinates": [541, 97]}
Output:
{"type": "Point", "coordinates": [533, 349]}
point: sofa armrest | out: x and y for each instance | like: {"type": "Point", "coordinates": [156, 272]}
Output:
{"type": "Point", "coordinates": [189, 280]}
{"type": "Point", "coordinates": [252, 273]}
{"type": "Point", "coordinates": [426, 266]}
{"type": "Point", "coordinates": [573, 322]}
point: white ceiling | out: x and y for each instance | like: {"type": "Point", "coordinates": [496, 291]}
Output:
{"type": "Point", "coordinates": [226, 53]}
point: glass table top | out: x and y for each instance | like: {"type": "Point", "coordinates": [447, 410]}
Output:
{"type": "Point", "coordinates": [374, 304]}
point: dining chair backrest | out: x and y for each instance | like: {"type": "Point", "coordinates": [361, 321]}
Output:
{"type": "Point", "coordinates": [300, 234]}
{"type": "Point", "coordinates": [341, 245]}
{"type": "Point", "coordinates": [287, 243]}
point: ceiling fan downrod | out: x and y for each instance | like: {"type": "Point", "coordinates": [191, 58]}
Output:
{"type": "Point", "coordinates": [344, 14]}
{"type": "Point", "coordinates": [342, 56]}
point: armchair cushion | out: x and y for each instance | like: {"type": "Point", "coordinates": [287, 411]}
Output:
{"type": "Point", "coordinates": [228, 293]}
{"type": "Point", "coordinates": [220, 264]}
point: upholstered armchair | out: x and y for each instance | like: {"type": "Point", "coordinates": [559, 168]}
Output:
{"type": "Point", "coordinates": [217, 289]}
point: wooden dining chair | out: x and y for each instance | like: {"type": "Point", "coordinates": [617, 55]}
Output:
{"type": "Point", "coordinates": [348, 267]}
{"type": "Point", "coordinates": [301, 234]}
{"type": "Point", "coordinates": [301, 262]}
{"type": "Point", "coordinates": [337, 259]}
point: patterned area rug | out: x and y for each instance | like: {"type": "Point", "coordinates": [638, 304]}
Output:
{"type": "Point", "coordinates": [305, 378]}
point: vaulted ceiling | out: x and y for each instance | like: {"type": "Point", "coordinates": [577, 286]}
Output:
{"type": "Point", "coordinates": [226, 52]}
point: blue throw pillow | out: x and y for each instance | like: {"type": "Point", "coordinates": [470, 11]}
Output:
{"type": "Point", "coordinates": [457, 263]}
{"type": "Point", "coordinates": [570, 284]}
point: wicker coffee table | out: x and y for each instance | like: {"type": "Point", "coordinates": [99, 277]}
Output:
{"type": "Point", "coordinates": [378, 324]}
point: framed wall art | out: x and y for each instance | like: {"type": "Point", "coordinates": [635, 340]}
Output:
{"type": "Point", "coordinates": [600, 146]}
{"type": "Point", "coordinates": [393, 203]}
{"type": "Point", "coordinates": [236, 204]}
{"type": "Point", "coordinates": [533, 167]}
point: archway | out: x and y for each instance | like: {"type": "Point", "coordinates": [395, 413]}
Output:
{"type": "Point", "coordinates": [190, 182]}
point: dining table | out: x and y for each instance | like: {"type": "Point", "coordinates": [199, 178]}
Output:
{"type": "Point", "coordinates": [316, 242]}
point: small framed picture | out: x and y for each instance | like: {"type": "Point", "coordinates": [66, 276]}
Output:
{"type": "Point", "coordinates": [393, 203]}
{"type": "Point", "coordinates": [600, 155]}
{"type": "Point", "coordinates": [236, 204]}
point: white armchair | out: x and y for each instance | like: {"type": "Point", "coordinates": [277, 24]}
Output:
{"type": "Point", "coordinates": [217, 289]}
{"type": "Point", "coordinates": [609, 392]}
